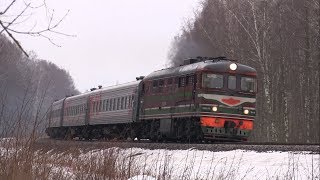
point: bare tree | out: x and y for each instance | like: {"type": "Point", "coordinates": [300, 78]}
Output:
{"type": "Point", "coordinates": [281, 40]}
{"type": "Point", "coordinates": [25, 10]}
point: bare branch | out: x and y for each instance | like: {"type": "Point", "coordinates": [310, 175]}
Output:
{"type": "Point", "coordinates": [39, 32]}
{"type": "Point", "coordinates": [14, 39]}
{"type": "Point", "coordinates": [6, 27]}
{"type": "Point", "coordinates": [1, 13]}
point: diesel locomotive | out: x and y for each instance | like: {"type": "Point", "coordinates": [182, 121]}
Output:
{"type": "Point", "coordinates": [205, 99]}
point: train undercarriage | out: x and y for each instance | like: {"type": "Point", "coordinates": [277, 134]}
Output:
{"type": "Point", "coordinates": [188, 130]}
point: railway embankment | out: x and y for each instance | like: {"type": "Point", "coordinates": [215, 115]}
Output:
{"type": "Point", "coordinates": [214, 147]}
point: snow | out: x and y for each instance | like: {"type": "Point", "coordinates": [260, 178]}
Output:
{"type": "Point", "coordinates": [149, 164]}
{"type": "Point", "coordinates": [142, 177]}
{"type": "Point", "coordinates": [237, 164]}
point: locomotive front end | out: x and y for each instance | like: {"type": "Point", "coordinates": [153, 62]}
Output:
{"type": "Point", "coordinates": [226, 101]}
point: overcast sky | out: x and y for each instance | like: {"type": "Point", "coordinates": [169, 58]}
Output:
{"type": "Point", "coordinates": [116, 40]}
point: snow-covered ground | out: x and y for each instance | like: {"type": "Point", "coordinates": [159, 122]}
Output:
{"type": "Point", "coordinates": [148, 164]}
{"type": "Point", "coordinates": [237, 164]}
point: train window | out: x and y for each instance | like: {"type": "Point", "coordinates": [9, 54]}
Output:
{"type": "Point", "coordinates": [176, 80]}
{"type": "Point", "coordinates": [212, 80]}
{"type": "Point", "coordinates": [192, 79]}
{"type": "Point", "coordinates": [132, 101]}
{"type": "Point", "coordinates": [110, 105]}
{"type": "Point", "coordinates": [248, 84]}
{"type": "Point", "coordinates": [71, 109]}
{"type": "Point", "coordinates": [93, 107]}
{"type": "Point", "coordinates": [122, 102]}
{"type": "Point", "coordinates": [232, 83]}
{"type": "Point", "coordinates": [169, 81]}
{"type": "Point", "coordinates": [118, 103]}
{"type": "Point", "coordinates": [125, 102]}
{"type": "Point", "coordinates": [161, 82]}
{"type": "Point", "coordinates": [187, 80]}
{"type": "Point", "coordinates": [114, 104]}
{"type": "Point", "coordinates": [181, 82]}
{"type": "Point", "coordinates": [129, 99]}
{"type": "Point", "coordinates": [106, 105]}
{"type": "Point", "coordinates": [155, 83]}
{"type": "Point", "coordinates": [100, 106]}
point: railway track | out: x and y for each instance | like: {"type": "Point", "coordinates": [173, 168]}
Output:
{"type": "Point", "coordinates": [251, 146]}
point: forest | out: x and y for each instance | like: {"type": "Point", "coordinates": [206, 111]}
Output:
{"type": "Point", "coordinates": [281, 40]}
{"type": "Point", "coordinates": [28, 86]}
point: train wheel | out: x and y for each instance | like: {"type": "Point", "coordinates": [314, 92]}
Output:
{"type": "Point", "coordinates": [68, 134]}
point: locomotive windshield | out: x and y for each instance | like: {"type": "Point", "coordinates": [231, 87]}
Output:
{"type": "Point", "coordinates": [248, 84]}
{"type": "Point", "coordinates": [212, 81]}
{"type": "Point", "coordinates": [232, 82]}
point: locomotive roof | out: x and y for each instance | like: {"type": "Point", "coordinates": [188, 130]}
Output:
{"type": "Point", "coordinates": [215, 66]}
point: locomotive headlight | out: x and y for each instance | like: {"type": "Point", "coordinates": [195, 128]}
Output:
{"type": "Point", "coordinates": [214, 108]}
{"type": "Point", "coordinates": [246, 111]}
{"type": "Point", "coordinates": [233, 66]}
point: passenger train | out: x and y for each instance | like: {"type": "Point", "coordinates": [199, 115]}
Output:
{"type": "Point", "coordinates": [203, 100]}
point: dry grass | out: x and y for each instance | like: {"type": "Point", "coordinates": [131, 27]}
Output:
{"type": "Point", "coordinates": [23, 161]}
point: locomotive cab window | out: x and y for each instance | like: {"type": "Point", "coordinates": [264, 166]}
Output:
{"type": "Point", "coordinates": [232, 82]}
{"type": "Point", "coordinates": [248, 84]}
{"type": "Point", "coordinates": [212, 80]}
